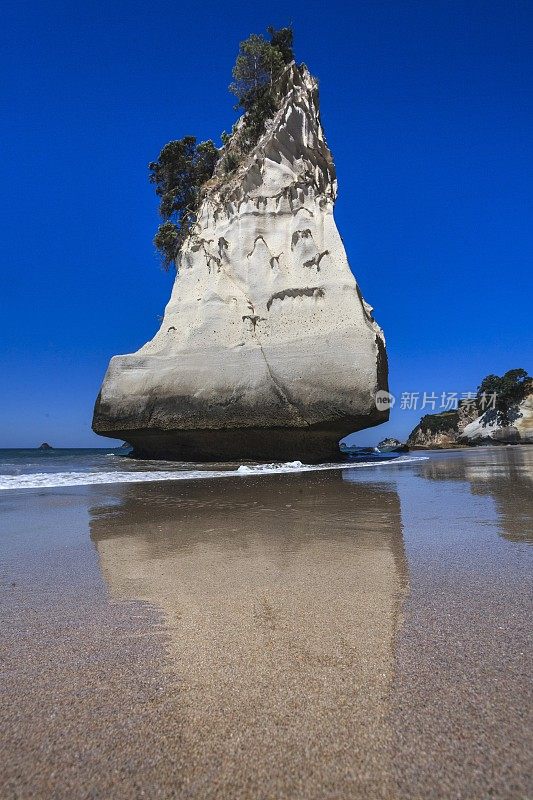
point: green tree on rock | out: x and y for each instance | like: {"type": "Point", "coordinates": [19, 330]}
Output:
{"type": "Point", "coordinates": [257, 66]}
{"type": "Point", "coordinates": [256, 74]}
{"type": "Point", "coordinates": [282, 39]}
{"type": "Point", "coordinates": [182, 168]}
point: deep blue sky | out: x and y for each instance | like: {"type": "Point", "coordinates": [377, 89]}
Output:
{"type": "Point", "coordinates": [427, 107]}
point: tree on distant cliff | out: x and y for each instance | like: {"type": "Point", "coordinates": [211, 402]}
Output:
{"type": "Point", "coordinates": [183, 166]}
{"type": "Point", "coordinates": [508, 390]}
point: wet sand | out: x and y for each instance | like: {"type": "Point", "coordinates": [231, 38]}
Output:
{"type": "Point", "coordinates": [343, 634]}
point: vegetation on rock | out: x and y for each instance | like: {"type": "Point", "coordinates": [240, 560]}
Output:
{"type": "Point", "coordinates": [500, 393]}
{"type": "Point", "coordinates": [438, 423]}
{"type": "Point", "coordinates": [184, 166]}
{"type": "Point", "coordinates": [181, 169]}
{"type": "Point", "coordinates": [256, 74]}
{"type": "Point", "coordinates": [508, 390]}
{"type": "Point", "coordinates": [282, 39]}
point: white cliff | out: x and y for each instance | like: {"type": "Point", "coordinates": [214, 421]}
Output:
{"type": "Point", "coordinates": [467, 426]}
{"type": "Point", "coordinates": [266, 349]}
{"type": "Point", "coordinates": [488, 428]}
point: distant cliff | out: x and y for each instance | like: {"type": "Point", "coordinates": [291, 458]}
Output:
{"type": "Point", "coordinates": [467, 426]}
{"type": "Point", "coordinates": [442, 430]}
{"type": "Point", "coordinates": [490, 429]}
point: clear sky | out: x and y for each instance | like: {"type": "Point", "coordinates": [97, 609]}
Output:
{"type": "Point", "coordinates": [427, 107]}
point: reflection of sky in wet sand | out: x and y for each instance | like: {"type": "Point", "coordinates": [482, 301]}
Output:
{"type": "Point", "coordinates": [281, 598]}
{"type": "Point", "coordinates": [505, 474]}
{"type": "Point", "coordinates": [461, 701]}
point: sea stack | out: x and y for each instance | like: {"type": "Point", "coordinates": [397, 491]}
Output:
{"type": "Point", "coordinates": [267, 349]}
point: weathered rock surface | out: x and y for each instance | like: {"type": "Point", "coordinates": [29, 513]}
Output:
{"type": "Point", "coordinates": [267, 348]}
{"type": "Point", "coordinates": [391, 445]}
{"type": "Point", "coordinates": [466, 427]}
{"type": "Point", "coordinates": [436, 431]}
{"type": "Point", "coordinates": [424, 439]}
{"type": "Point", "coordinates": [487, 429]}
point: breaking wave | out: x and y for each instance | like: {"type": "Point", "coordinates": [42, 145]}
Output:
{"type": "Point", "coordinates": [52, 480]}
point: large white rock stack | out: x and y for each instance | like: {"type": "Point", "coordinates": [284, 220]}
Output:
{"type": "Point", "coordinates": [267, 349]}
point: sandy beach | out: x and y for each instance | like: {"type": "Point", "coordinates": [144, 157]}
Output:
{"type": "Point", "coordinates": [266, 419]}
{"type": "Point", "coordinates": [354, 633]}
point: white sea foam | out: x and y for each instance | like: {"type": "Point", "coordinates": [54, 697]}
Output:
{"type": "Point", "coordinates": [287, 466]}
{"type": "Point", "coordinates": [51, 480]}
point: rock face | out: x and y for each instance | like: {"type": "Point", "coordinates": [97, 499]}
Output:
{"type": "Point", "coordinates": [391, 445]}
{"type": "Point", "coordinates": [466, 427]}
{"type": "Point", "coordinates": [267, 348]}
{"type": "Point", "coordinates": [487, 429]}
{"type": "Point", "coordinates": [426, 439]}
{"type": "Point", "coordinates": [436, 431]}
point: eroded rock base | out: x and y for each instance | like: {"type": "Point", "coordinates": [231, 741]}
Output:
{"type": "Point", "coordinates": [311, 446]}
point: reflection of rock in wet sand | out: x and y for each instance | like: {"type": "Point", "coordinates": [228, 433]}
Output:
{"type": "Point", "coordinates": [282, 596]}
{"type": "Point", "coordinates": [505, 473]}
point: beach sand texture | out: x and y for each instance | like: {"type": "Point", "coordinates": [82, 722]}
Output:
{"type": "Point", "coordinates": [335, 634]}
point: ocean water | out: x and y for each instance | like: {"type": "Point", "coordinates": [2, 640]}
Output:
{"type": "Point", "coordinates": [37, 469]}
